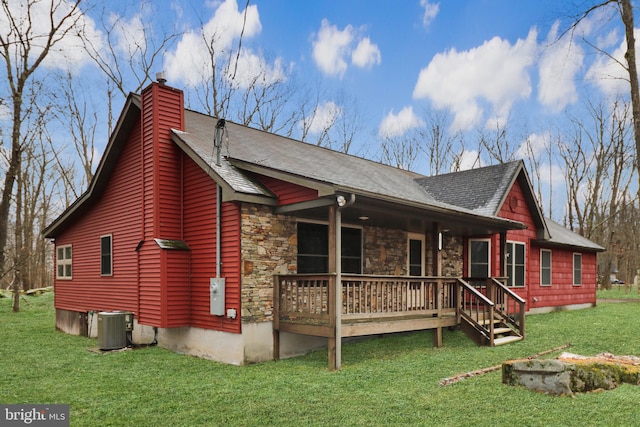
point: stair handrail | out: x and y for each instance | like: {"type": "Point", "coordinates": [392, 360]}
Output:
{"type": "Point", "coordinates": [488, 328]}
{"type": "Point", "coordinates": [518, 323]}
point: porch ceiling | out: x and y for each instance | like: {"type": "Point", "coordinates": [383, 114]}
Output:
{"type": "Point", "coordinates": [379, 213]}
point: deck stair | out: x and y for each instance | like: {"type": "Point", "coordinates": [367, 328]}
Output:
{"type": "Point", "coordinates": [493, 315]}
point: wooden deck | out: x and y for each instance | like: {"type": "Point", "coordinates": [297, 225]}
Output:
{"type": "Point", "coordinates": [306, 304]}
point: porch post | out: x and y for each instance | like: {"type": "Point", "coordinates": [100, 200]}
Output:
{"type": "Point", "coordinates": [335, 288]}
{"type": "Point", "coordinates": [503, 254]}
{"type": "Point", "coordinates": [436, 270]}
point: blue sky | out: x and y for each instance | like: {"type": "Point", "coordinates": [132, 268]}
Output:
{"type": "Point", "coordinates": [481, 62]}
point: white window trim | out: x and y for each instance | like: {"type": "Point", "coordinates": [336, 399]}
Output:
{"type": "Point", "coordinates": [550, 268]}
{"type": "Point", "coordinates": [573, 268]}
{"type": "Point", "coordinates": [421, 238]}
{"type": "Point", "coordinates": [513, 265]}
{"type": "Point", "coordinates": [64, 262]}
{"type": "Point", "coordinates": [469, 255]}
{"type": "Point", "coordinates": [110, 236]}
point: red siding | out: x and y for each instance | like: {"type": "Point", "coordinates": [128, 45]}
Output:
{"type": "Point", "coordinates": [162, 110]}
{"type": "Point", "coordinates": [517, 212]}
{"type": "Point", "coordinates": [200, 235]}
{"type": "Point", "coordinates": [117, 213]}
{"type": "Point", "coordinates": [287, 192]}
{"type": "Point", "coordinates": [176, 298]}
{"type": "Point", "coordinates": [562, 291]}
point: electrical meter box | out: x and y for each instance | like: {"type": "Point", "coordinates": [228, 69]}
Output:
{"type": "Point", "coordinates": [216, 296]}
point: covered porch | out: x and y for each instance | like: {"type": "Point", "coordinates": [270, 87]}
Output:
{"type": "Point", "coordinates": [338, 304]}
{"type": "Point", "coordinates": [356, 305]}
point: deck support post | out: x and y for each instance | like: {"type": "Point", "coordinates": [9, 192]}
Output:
{"type": "Point", "coordinates": [335, 288]}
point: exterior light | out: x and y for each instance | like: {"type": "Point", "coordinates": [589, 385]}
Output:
{"type": "Point", "coordinates": [341, 201]}
{"type": "Point", "coordinates": [363, 218]}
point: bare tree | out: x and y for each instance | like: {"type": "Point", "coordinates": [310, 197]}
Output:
{"type": "Point", "coordinates": [130, 55]}
{"type": "Point", "coordinates": [437, 143]}
{"type": "Point", "coordinates": [23, 49]}
{"type": "Point", "coordinates": [598, 163]}
{"type": "Point", "coordinates": [401, 151]}
{"type": "Point", "coordinates": [625, 11]}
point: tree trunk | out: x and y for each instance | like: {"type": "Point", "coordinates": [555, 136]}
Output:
{"type": "Point", "coordinates": [630, 56]}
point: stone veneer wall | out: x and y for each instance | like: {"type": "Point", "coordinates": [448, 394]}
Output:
{"type": "Point", "coordinates": [452, 256]}
{"type": "Point", "coordinates": [385, 251]}
{"type": "Point", "coordinates": [270, 246]}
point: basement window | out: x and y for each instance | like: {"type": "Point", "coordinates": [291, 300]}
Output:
{"type": "Point", "coordinates": [64, 262]}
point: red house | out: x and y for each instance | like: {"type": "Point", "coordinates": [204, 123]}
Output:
{"type": "Point", "coordinates": [239, 245]}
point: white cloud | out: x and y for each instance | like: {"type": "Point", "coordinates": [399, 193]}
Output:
{"type": "Point", "coordinates": [68, 52]}
{"type": "Point", "coordinates": [469, 159]}
{"type": "Point", "coordinates": [130, 34]}
{"type": "Point", "coordinates": [394, 125]}
{"type": "Point", "coordinates": [558, 67]}
{"type": "Point", "coordinates": [430, 12]}
{"type": "Point", "coordinates": [366, 54]}
{"type": "Point", "coordinates": [254, 70]}
{"type": "Point", "coordinates": [607, 74]}
{"type": "Point", "coordinates": [332, 47]}
{"type": "Point", "coordinates": [495, 72]}
{"type": "Point", "coordinates": [535, 145]}
{"type": "Point", "coordinates": [325, 115]}
{"type": "Point", "coordinates": [191, 63]}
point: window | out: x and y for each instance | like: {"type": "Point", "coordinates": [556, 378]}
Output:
{"type": "Point", "coordinates": [105, 256]}
{"type": "Point", "coordinates": [515, 263]}
{"type": "Point", "coordinates": [313, 249]}
{"type": "Point", "coordinates": [63, 262]}
{"type": "Point", "coordinates": [577, 269]}
{"type": "Point", "coordinates": [545, 267]}
{"type": "Point", "coordinates": [351, 250]}
{"type": "Point", "coordinates": [416, 257]}
{"type": "Point", "coordinates": [479, 258]}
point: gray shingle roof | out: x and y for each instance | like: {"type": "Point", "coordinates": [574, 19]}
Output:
{"type": "Point", "coordinates": [341, 171]}
{"type": "Point", "coordinates": [481, 190]}
{"type": "Point", "coordinates": [565, 237]}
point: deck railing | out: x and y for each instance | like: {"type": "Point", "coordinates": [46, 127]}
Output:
{"type": "Point", "coordinates": [477, 310]}
{"type": "Point", "coordinates": [308, 295]}
{"type": "Point", "coordinates": [373, 295]}
{"type": "Point", "coordinates": [308, 301]}
{"type": "Point", "coordinates": [510, 307]}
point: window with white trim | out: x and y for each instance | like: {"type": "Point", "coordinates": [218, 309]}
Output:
{"type": "Point", "coordinates": [545, 267]}
{"type": "Point", "coordinates": [106, 258]}
{"type": "Point", "coordinates": [516, 265]}
{"type": "Point", "coordinates": [577, 269]}
{"type": "Point", "coordinates": [479, 258]}
{"type": "Point", "coordinates": [64, 262]}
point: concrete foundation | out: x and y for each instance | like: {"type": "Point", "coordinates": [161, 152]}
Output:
{"type": "Point", "coordinates": [253, 345]}
{"type": "Point", "coordinates": [543, 310]}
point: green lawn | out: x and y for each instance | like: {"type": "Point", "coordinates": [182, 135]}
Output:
{"type": "Point", "coordinates": [388, 381]}
{"type": "Point", "coordinates": [618, 292]}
